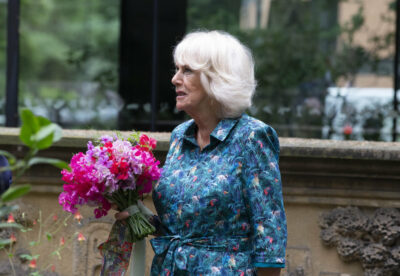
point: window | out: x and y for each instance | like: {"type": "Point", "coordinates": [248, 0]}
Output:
{"type": "Point", "coordinates": [305, 51]}
{"type": "Point", "coordinates": [69, 61]}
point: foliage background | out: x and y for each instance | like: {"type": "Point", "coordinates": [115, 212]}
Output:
{"type": "Point", "coordinates": [69, 63]}
{"type": "Point", "coordinates": [300, 54]}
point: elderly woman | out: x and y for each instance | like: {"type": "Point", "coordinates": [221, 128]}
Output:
{"type": "Point", "coordinates": [220, 197]}
{"type": "Point", "coordinates": [219, 200]}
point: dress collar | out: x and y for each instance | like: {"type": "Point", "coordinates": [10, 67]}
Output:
{"type": "Point", "coordinates": [220, 132]}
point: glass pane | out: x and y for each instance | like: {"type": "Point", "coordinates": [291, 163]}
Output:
{"type": "Point", "coordinates": [3, 53]}
{"type": "Point", "coordinates": [69, 61]}
{"type": "Point", "coordinates": [362, 99]}
{"type": "Point", "coordinates": [324, 68]}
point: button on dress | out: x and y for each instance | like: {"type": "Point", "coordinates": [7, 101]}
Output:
{"type": "Point", "coordinates": [220, 208]}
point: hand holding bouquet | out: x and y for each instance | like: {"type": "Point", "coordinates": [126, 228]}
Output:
{"type": "Point", "coordinates": [115, 170]}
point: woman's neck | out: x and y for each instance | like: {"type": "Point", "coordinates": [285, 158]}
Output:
{"type": "Point", "coordinates": [206, 123]}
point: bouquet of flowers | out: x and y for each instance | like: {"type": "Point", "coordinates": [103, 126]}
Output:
{"type": "Point", "coordinates": [115, 170]}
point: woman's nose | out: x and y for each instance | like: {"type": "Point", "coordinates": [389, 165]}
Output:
{"type": "Point", "coordinates": [175, 79]}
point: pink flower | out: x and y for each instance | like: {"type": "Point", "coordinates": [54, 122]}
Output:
{"type": "Point", "coordinates": [114, 164]}
{"type": "Point", "coordinates": [62, 241]}
{"type": "Point", "coordinates": [347, 130]}
{"type": "Point", "coordinates": [32, 263]}
{"type": "Point", "coordinates": [78, 216]}
{"type": "Point", "coordinates": [147, 143]}
{"type": "Point", "coordinates": [81, 237]}
{"type": "Point", "coordinates": [13, 238]}
{"type": "Point", "coordinates": [10, 218]}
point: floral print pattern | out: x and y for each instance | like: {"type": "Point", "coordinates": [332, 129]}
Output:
{"type": "Point", "coordinates": [221, 208]}
{"type": "Point", "coordinates": [116, 251]}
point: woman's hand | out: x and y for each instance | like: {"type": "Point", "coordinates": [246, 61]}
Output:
{"type": "Point", "coordinates": [120, 215]}
{"type": "Point", "coordinates": [125, 214]}
{"type": "Point", "coordinates": [268, 271]}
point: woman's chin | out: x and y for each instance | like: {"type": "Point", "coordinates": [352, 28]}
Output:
{"type": "Point", "coordinates": [180, 107]}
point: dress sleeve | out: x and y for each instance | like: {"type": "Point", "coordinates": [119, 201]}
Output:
{"type": "Point", "coordinates": [263, 197]}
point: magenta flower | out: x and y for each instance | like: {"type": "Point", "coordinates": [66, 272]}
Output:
{"type": "Point", "coordinates": [112, 166]}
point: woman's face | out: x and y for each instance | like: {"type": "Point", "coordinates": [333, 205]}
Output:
{"type": "Point", "coordinates": [190, 94]}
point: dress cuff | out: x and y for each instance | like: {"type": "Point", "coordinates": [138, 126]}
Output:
{"type": "Point", "coordinates": [263, 259]}
{"type": "Point", "coordinates": [269, 265]}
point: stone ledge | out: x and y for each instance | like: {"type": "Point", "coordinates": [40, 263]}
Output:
{"type": "Point", "coordinates": [290, 147]}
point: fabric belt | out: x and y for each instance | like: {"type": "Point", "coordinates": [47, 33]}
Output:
{"type": "Point", "coordinates": [170, 245]}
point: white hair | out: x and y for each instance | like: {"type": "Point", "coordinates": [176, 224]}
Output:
{"type": "Point", "coordinates": [226, 69]}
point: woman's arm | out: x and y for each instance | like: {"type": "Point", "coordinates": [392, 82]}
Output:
{"type": "Point", "coordinates": [262, 192]}
{"type": "Point", "coordinates": [268, 271]}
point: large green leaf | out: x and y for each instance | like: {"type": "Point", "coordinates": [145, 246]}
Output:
{"type": "Point", "coordinates": [43, 121]}
{"type": "Point", "coordinates": [46, 125]}
{"type": "Point", "coordinates": [43, 138]}
{"type": "Point", "coordinates": [15, 192]}
{"type": "Point", "coordinates": [37, 131]}
{"type": "Point", "coordinates": [29, 127]}
{"type": "Point", "coordinates": [47, 134]}
{"type": "Point", "coordinates": [44, 132]}
{"type": "Point", "coordinates": [55, 162]}
{"type": "Point", "coordinates": [45, 141]}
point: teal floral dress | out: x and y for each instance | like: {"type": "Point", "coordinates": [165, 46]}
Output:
{"type": "Point", "coordinates": [220, 208]}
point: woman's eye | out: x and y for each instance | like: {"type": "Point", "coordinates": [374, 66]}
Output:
{"type": "Point", "coordinates": [187, 70]}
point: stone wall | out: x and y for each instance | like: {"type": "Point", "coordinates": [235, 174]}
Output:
{"type": "Point", "coordinates": [318, 177]}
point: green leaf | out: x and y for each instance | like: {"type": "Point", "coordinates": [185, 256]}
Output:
{"type": "Point", "coordinates": [24, 230]}
{"type": "Point", "coordinates": [4, 242]}
{"type": "Point", "coordinates": [26, 257]}
{"type": "Point", "coordinates": [33, 243]}
{"type": "Point", "coordinates": [29, 127]}
{"type": "Point", "coordinates": [43, 121]}
{"type": "Point", "coordinates": [15, 192]}
{"type": "Point", "coordinates": [52, 161]}
{"type": "Point", "coordinates": [44, 132]}
{"type": "Point", "coordinates": [47, 141]}
{"type": "Point", "coordinates": [57, 134]}
{"type": "Point", "coordinates": [5, 210]}
{"type": "Point", "coordinates": [56, 253]}
{"type": "Point", "coordinates": [37, 131]}
{"type": "Point", "coordinates": [49, 236]}
{"type": "Point", "coordinates": [18, 165]}
{"type": "Point", "coordinates": [10, 225]}
{"type": "Point", "coordinates": [11, 158]}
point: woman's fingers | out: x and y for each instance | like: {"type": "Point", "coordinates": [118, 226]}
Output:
{"type": "Point", "coordinates": [121, 215]}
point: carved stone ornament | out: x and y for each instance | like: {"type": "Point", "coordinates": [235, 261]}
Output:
{"type": "Point", "coordinates": [373, 240]}
{"type": "Point", "coordinates": [86, 257]}
{"type": "Point", "coordinates": [298, 262]}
